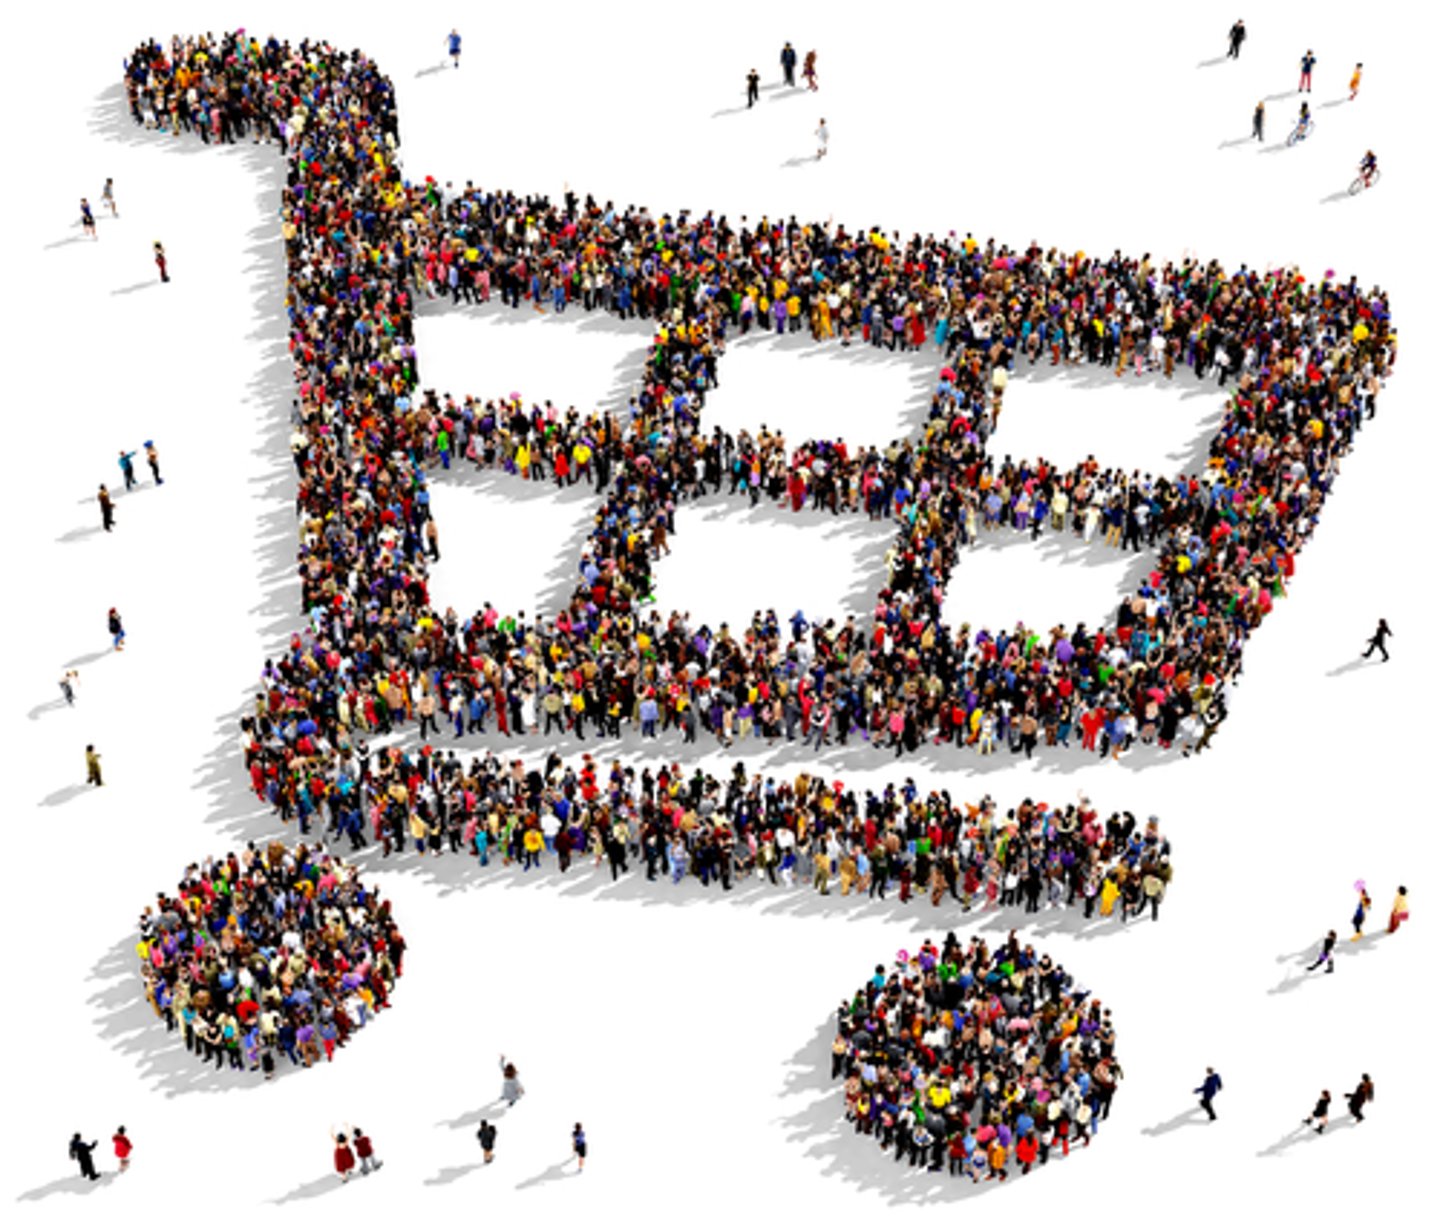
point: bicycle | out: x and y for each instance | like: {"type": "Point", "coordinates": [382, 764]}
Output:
{"type": "Point", "coordinates": [1360, 183]}
{"type": "Point", "coordinates": [1300, 132]}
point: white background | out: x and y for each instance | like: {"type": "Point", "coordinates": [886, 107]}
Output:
{"type": "Point", "coordinates": [690, 1034]}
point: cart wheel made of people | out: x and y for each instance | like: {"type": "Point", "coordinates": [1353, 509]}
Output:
{"type": "Point", "coordinates": [1229, 535]}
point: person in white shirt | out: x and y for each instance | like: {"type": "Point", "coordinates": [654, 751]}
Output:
{"type": "Point", "coordinates": [822, 135]}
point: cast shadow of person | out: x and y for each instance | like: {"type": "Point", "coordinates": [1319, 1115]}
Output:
{"type": "Point", "coordinates": [306, 1190]}
{"type": "Point", "coordinates": [1303, 1133]}
{"type": "Point", "coordinates": [555, 1172]}
{"type": "Point", "coordinates": [67, 1185]}
{"type": "Point", "coordinates": [1193, 1115]}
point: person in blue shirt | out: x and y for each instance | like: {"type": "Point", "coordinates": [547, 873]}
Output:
{"type": "Point", "coordinates": [1207, 1091]}
{"type": "Point", "coordinates": [453, 41]}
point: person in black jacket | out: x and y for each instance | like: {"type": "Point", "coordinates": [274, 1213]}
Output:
{"type": "Point", "coordinates": [752, 88]}
{"type": "Point", "coordinates": [1207, 1091]}
{"type": "Point", "coordinates": [1363, 1093]}
{"type": "Point", "coordinates": [1320, 1117]}
{"type": "Point", "coordinates": [1377, 641]}
{"type": "Point", "coordinates": [487, 1134]}
{"type": "Point", "coordinates": [80, 1153]}
{"type": "Point", "coordinates": [1237, 36]}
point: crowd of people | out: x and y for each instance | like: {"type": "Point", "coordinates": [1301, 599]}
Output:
{"type": "Point", "coordinates": [983, 1062]}
{"type": "Point", "coordinates": [280, 952]}
{"type": "Point", "coordinates": [1304, 361]}
{"type": "Point", "coordinates": [805, 832]}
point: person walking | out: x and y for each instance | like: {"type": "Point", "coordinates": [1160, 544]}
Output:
{"type": "Point", "coordinates": [1326, 955]}
{"type": "Point", "coordinates": [80, 1153]}
{"type": "Point", "coordinates": [152, 458]}
{"type": "Point", "coordinates": [1399, 909]}
{"type": "Point", "coordinates": [1307, 63]}
{"type": "Point", "coordinates": [1355, 81]}
{"type": "Point", "coordinates": [822, 137]}
{"type": "Point", "coordinates": [787, 63]}
{"type": "Point", "coordinates": [752, 88]}
{"type": "Point", "coordinates": [365, 1150]}
{"type": "Point", "coordinates": [127, 467]}
{"type": "Point", "coordinates": [808, 72]}
{"type": "Point", "coordinates": [67, 685]}
{"type": "Point", "coordinates": [1320, 1116]}
{"type": "Point", "coordinates": [117, 630]}
{"type": "Point", "coordinates": [512, 1088]}
{"type": "Point", "coordinates": [92, 767]}
{"type": "Point", "coordinates": [579, 1145]}
{"type": "Point", "coordinates": [1363, 1093]}
{"type": "Point", "coordinates": [87, 220]}
{"type": "Point", "coordinates": [107, 197]}
{"type": "Point", "coordinates": [452, 41]}
{"type": "Point", "coordinates": [487, 1134]}
{"type": "Point", "coordinates": [1237, 36]}
{"type": "Point", "coordinates": [123, 1146]}
{"type": "Point", "coordinates": [1362, 909]}
{"type": "Point", "coordinates": [344, 1156]}
{"type": "Point", "coordinates": [160, 262]}
{"type": "Point", "coordinates": [107, 508]}
{"type": "Point", "coordinates": [1207, 1091]}
{"type": "Point", "coordinates": [1377, 641]}
{"type": "Point", "coordinates": [1257, 121]}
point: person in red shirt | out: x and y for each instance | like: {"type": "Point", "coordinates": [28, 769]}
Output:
{"type": "Point", "coordinates": [123, 1147]}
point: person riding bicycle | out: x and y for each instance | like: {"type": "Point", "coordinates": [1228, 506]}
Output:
{"type": "Point", "coordinates": [1369, 167]}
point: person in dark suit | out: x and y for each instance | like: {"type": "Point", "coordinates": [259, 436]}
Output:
{"type": "Point", "coordinates": [787, 62]}
{"type": "Point", "coordinates": [1207, 1091]}
{"type": "Point", "coordinates": [1237, 36]}
{"type": "Point", "coordinates": [80, 1152]}
{"type": "Point", "coordinates": [487, 1134]}
{"type": "Point", "coordinates": [107, 507]}
{"type": "Point", "coordinates": [752, 88]}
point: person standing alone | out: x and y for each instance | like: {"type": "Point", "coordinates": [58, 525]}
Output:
{"type": "Point", "coordinates": [1377, 641]}
{"type": "Point", "coordinates": [1237, 36]}
{"type": "Point", "coordinates": [1207, 1091]}
{"type": "Point", "coordinates": [752, 88]}
{"type": "Point", "coordinates": [487, 1134]}
{"type": "Point", "coordinates": [160, 262]}
{"type": "Point", "coordinates": [579, 1145]}
{"type": "Point", "coordinates": [1307, 63]}
{"type": "Point", "coordinates": [787, 63]}
{"type": "Point", "coordinates": [107, 508]}
{"type": "Point", "coordinates": [92, 767]}
{"type": "Point", "coordinates": [453, 42]}
{"type": "Point", "coordinates": [1257, 122]}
